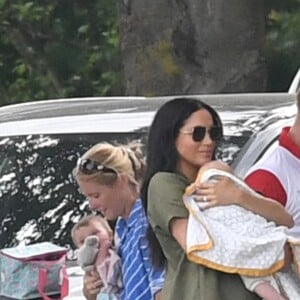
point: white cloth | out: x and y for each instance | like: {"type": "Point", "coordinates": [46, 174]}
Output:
{"type": "Point", "coordinates": [232, 239]}
{"type": "Point", "coordinates": [286, 168]}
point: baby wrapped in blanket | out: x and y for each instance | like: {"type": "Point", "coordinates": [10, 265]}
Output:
{"type": "Point", "coordinates": [235, 240]}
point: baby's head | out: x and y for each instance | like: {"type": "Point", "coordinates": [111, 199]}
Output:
{"type": "Point", "coordinates": [91, 225]}
{"type": "Point", "coordinates": [214, 164]}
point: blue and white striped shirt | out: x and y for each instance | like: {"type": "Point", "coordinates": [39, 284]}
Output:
{"type": "Point", "coordinates": [140, 280]}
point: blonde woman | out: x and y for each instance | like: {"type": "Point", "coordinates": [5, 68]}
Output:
{"type": "Point", "coordinates": [109, 177]}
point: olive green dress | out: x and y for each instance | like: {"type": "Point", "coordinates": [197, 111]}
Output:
{"type": "Point", "coordinates": [185, 280]}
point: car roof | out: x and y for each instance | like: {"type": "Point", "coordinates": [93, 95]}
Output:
{"type": "Point", "coordinates": [122, 114]}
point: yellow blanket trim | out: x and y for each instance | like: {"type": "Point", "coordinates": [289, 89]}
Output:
{"type": "Point", "coordinates": [242, 271]}
{"type": "Point", "coordinates": [293, 241]}
{"type": "Point", "coordinates": [201, 247]}
{"type": "Point", "coordinates": [189, 190]}
{"type": "Point", "coordinates": [210, 243]}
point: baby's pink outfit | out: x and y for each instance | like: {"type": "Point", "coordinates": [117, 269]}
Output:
{"type": "Point", "coordinates": [110, 273]}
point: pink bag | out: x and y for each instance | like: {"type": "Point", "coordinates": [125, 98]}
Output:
{"type": "Point", "coordinates": [34, 271]}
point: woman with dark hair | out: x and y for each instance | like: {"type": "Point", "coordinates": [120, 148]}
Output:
{"type": "Point", "coordinates": [183, 136]}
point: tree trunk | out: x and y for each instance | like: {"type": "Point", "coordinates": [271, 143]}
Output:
{"type": "Point", "coordinates": [172, 47]}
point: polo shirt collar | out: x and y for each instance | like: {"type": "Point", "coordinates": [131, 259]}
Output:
{"type": "Point", "coordinates": [135, 211]}
{"type": "Point", "coordinates": [286, 141]}
{"type": "Point", "coordinates": [132, 218]}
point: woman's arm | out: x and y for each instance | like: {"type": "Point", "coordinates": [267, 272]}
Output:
{"type": "Point", "coordinates": [178, 228]}
{"type": "Point", "coordinates": [266, 207]}
{"type": "Point", "coordinates": [225, 192]}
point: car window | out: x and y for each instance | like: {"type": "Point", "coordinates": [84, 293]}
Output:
{"type": "Point", "coordinates": [38, 195]}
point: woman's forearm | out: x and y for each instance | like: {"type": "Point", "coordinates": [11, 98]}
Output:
{"type": "Point", "coordinates": [266, 207]}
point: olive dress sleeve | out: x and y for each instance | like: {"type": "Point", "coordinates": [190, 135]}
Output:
{"type": "Point", "coordinates": [165, 202]}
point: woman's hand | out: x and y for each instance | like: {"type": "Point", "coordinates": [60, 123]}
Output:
{"type": "Point", "coordinates": [221, 192]}
{"type": "Point", "coordinates": [224, 192]}
{"type": "Point", "coordinates": [91, 285]}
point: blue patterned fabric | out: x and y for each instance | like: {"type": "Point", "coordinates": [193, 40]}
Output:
{"type": "Point", "coordinates": [21, 270]}
{"type": "Point", "coordinates": [106, 296]}
{"type": "Point", "coordinates": [140, 280]}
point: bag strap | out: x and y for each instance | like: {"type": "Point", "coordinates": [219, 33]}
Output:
{"type": "Point", "coordinates": [64, 290]}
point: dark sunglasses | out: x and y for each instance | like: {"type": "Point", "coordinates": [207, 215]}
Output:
{"type": "Point", "coordinates": [198, 133]}
{"type": "Point", "coordinates": [88, 166]}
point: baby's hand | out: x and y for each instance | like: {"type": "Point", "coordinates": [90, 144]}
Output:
{"type": "Point", "coordinates": [92, 284]}
{"type": "Point", "coordinates": [106, 244]}
{"type": "Point", "coordinates": [103, 252]}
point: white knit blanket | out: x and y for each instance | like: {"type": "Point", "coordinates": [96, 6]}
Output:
{"type": "Point", "coordinates": [231, 238]}
{"type": "Point", "coordinates": [234, 240]}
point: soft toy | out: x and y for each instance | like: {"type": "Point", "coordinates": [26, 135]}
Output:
{"type": "Point", "coordinates": [88, 252]}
